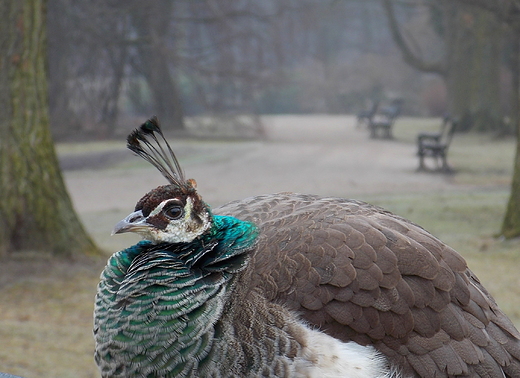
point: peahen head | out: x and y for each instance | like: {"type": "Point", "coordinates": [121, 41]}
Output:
{"type": "Point", "coordinates": [173, 213]}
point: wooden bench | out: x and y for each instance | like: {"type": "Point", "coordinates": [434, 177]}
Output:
{"type": "Point", "coordinates": [365, 116]}
{"type": "Point", "coordinates": [380, 124]}
{"type": "Point", "coordinates": [436, 145]}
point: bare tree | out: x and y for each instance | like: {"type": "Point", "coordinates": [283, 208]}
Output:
{"type": "Point", "coordinates": [181, 57]}
{"type": "Point", "coordinates": [35, 210]}
{"type": "Point", "coordinates": [157, 59]}
{"type": "Point", "coordinates": [511, 223]}
{"type": "Point", "coordinates": [508, 12]}
{"type": "Point", "coordinates": [471, 62]}
{"type": "Point", "coordinates": [88, 53]}
{"type": "Point", "coordinates": [176, 57]}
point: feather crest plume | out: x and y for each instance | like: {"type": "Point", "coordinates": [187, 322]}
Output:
{"type": "Point", "coordinates": [148, 142]}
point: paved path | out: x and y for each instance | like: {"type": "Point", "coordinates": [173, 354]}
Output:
{"type": "Point", "coordinates": [323, 155]}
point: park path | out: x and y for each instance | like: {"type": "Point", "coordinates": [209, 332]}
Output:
{"type": "Point", "coordinates": [325, 155]}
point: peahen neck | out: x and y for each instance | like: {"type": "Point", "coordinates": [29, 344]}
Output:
{"type": "Point", "coordinates": [157, 305]}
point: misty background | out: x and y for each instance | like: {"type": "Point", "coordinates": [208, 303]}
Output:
{"type": "Point", "coordinates": [113, 63]}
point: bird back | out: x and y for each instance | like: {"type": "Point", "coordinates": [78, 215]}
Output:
{"type": "Point", "coordinates": [362, 274]}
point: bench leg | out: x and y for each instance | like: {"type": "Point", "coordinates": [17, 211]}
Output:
{"type": "Point", "coordinates": [421, 163]}
{"type": "Point", "coordinates": [388, 133]}
{"type": "Point", "coordinates": [373, 132]}
{"type": "Point", "coordinates": [445, 167]}
{"type": "Point", "coordinates": [439, 155]}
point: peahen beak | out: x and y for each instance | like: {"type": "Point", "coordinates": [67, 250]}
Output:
{"type": "Point", "coordinates": [134, 222]}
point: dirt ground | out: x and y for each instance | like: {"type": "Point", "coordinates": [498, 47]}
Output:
{"type": "Point", "coordinates": [326, 155]}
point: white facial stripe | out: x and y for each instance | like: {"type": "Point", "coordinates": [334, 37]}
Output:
{"type": "Point", "coordinates": [187, 208]}
{"type": "Point", "coordinates": [159, 208]}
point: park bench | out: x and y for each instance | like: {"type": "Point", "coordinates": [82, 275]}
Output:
{"type": "Point", "coordinates": [380, 124]}
{"type": "Point", "coordinates": [436, 145]}
{"type": "Point", "coordinates": [366, 115]}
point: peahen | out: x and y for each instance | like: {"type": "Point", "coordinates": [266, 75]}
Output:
{"type": "Point", "coordinates": [288, 285]}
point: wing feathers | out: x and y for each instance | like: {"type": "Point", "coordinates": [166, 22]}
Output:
{"type": "Point", "coordinates": [363, 274]}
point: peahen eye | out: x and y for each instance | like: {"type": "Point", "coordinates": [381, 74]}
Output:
{"type": "Point", "coordinates": [174, 212]}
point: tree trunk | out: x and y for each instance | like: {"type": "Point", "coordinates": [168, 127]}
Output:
{"type": "Point", "coordinates": [152, 23]}
{"type": "Point", "coordinates": [473, 41]}
{"type": "Point", "coordinates": [438, 67]}
{"type": "Point", "coordinates": [487, 108]}
{"type": "Point", "coordinates": [35, 210]}
{"type": "Point", "coordinates": [470, 69]}
{"type": "Point", "coordinates": [508, 13]}
{"type": "Point", "coordinates": [511, 223]}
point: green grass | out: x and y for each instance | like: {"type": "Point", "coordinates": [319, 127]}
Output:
{"type": "Point", "coordinates": [46, 318]}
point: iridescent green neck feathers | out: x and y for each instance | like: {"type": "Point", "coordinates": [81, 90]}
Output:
{"type": "Point", "coordinates": [157, 304]}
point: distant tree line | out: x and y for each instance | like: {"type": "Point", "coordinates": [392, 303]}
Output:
{"type": "Point", "coordinates": [109, 58]}
{"type": "Point", "coordinates": [181, 57]}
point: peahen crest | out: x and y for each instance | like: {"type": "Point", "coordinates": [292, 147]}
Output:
{"type": "Point", "coordinates": [144, 142]}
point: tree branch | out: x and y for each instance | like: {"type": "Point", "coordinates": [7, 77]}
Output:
{"type": "Point", "coordinates": [408, 55]}
{"type": "Point", "coordinates": [506, 10]}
